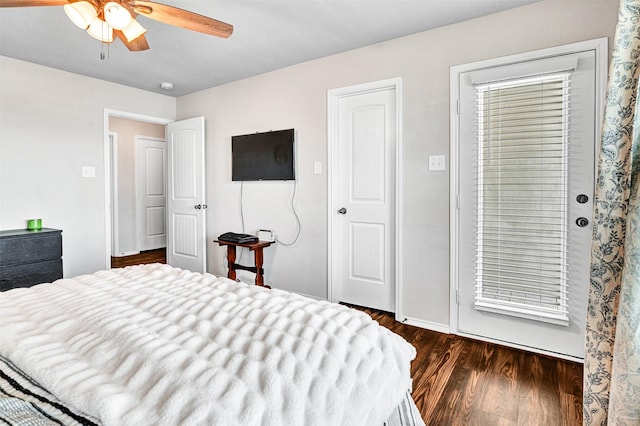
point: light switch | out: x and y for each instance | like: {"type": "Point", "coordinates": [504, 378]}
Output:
{"type": "Point", "coordinates": [317, 168]}
{"type": "Point", "coordinates": [437, 162]}
{"type": "Point", "coordinates": [88, 171]}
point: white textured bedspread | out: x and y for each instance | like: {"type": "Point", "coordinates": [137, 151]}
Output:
{"type": "Point", "coordinates": [155, 345]}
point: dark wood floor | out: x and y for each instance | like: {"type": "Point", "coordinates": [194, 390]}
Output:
{"type": "Point", "coordinates": [150, 256]}
{"type": "Point", "coordinates": [460, 381]}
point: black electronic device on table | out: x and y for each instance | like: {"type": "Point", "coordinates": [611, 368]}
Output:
{"type": "Point", "coordinates": [233, 237]}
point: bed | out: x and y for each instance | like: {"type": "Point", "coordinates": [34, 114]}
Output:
{"type": "Point", "coordinates": [157, 345]}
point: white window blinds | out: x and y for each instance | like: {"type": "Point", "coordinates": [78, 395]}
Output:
{"type": "Point", "coordinates": [522, 180]}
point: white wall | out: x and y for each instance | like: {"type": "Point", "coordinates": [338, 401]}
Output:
{"type": "Point", "coordinates": [296, 97]}
{"type": "Point", "coordinates": [52, 124]}
{"type": "Point", "coordinates": [127, 131]}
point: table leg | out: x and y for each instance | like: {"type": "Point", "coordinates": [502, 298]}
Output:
{"type": "Point", "coordinates": [231, 262]}
{"type": "Point", "coordinates": [259, 260]}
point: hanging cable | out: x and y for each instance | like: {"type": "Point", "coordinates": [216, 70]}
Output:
{"type": "Point", "coordinates": [241, 204]}
{"type": "Point", "coordinates": [295, 213]}
{"type": "Point", "coordinates": [241, 217]}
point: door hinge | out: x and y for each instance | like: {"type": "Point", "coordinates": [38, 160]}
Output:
{"type": "Point", "coordinates": [457, 296]}
{"type": "Point", "coordinates": [458, 106]}
{"type": "Point", "coordinates": [457, 201]}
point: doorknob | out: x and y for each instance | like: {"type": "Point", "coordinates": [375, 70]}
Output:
{"type": "Point", "coordinates": [342, 211]}
{"type": "Point", "coordinates": [582, 198]}
{"type": "Point", "coordinates": [582, 222]}
{"type": "Point", "coordinates": [197, 206]}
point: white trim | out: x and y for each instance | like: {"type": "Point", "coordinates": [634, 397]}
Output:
{"type": "Point", "coordinates": [600, 47]}
{"type": "Point", "coordinates": [127, 253]}
{"type": "Point", "coordinates": [427, 325]}
{"type": "Point", "coordinates": [517, 346]}
{"type": "Point", "coordinates": [454, 191]}
{"type": "Point", "coordinates": [107, 168]}
{"type": "Point", "coordinates": [304, 295]}
{"type": "Point", "coordinates": [333, 97]}
{"type": "Point", "coordinates": [113, 169]}
{"type": "Point", "coordinates": [596, 44]}
{"type": "Point", "coordinates": [399, 196]}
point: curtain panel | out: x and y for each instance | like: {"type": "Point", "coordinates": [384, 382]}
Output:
{"type": "Point", "coordinates": [612, 356]}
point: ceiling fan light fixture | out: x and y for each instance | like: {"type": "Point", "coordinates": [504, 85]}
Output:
{"type": "Point", "coordinates": [81, 13]}
{"type": "Point", "coordinates": [117, 16]}
{"type": "Point", "coordinates": [100, 30]}
{"type": "Point", "coordinates": [134, 30]}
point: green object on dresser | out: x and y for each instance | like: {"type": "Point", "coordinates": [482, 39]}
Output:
{"type": "Point", "coordinates": [33, 224]}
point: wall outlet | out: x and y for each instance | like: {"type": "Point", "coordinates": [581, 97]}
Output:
{"type": "Point", "coordinates": [88, 171]}
{"type": "Point", "coordinates": [437, 162]}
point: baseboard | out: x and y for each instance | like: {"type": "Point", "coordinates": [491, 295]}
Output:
{"type": "Point", "coordinates": [522, 347]}
{"type": "Point", "coordinates": [428, 325]}
{"type": "Point", "coordinates": [308, 295]}
{"type": "Point", "coordinates": [127, 253]}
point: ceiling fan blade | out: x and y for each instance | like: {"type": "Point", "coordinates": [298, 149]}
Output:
{"type": "Point", "coordinates": [181, 18]}
{"type": "Point", "coordinates": [27, 3]}
{"type": "Point", "coordinates": [136, 45]}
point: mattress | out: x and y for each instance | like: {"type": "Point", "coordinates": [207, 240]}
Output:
{"type": "Point", "coordinates": [156, 345]}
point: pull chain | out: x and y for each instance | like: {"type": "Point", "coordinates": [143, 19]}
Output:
{"type": "Point", "coordinates": [102, 55]}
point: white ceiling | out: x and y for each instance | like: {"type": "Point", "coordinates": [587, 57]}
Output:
{"type": "Point", "coordinates": [268, 34]}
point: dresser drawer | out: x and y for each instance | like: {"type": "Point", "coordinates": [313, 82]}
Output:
{"type": "Point", "coordinates": [29, 274]}
{"type": "Point", "coordinates": [30, 247]}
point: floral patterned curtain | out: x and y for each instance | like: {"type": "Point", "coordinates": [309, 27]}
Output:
{"type": "Point", "coordinates": [612, 358]}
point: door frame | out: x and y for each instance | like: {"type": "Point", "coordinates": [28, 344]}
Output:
{"type": "Point", "coordinates": [108, 201]}
{"type": "Point", "coordinates": [113, 188]}
{"type": "Point", "coordinates": [600, 46]}
{"type": "Point", "coordinates": [333, 226]}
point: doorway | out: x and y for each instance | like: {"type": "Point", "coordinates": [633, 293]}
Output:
{"type": "Point", "coordinates": [364, 207]}
{"type": "Point", "coordinates": [120, 200]}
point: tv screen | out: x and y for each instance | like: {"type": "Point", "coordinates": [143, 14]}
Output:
{"type": "Point", "coordinates": [262, 156]}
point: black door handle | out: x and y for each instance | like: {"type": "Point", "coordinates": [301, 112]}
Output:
{"type": "Point", "coordinates": [342, 211]}
{"type": "Point", "coordinates": [582, 222]}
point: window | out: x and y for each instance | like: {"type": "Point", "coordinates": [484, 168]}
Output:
{"type": "Point", "coordinates": [521, 188]}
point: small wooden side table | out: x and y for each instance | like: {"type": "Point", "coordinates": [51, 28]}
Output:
{"type": "Point", "coordinates": [256, 247]}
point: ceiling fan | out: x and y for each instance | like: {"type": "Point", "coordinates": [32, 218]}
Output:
{"type": "Point", "coordinates": [104, 19]}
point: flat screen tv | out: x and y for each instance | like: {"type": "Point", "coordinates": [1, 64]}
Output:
{"type": "Point", "coordinates": [263, 156]}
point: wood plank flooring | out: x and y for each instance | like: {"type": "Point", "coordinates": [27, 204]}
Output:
{"type": "Point", "coordinates": [149, 256]}
{"type": "Point", "coordinates": [460, 381]}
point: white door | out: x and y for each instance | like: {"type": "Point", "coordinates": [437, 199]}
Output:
{"type": "Point", "coordinates": [527, 137]}
{"type": "Point", "coordinates": [363, 256]}
{"type": "Point", "coordinates": [151, 196]}
{"type": "Point", "coordinates": [186, 204]}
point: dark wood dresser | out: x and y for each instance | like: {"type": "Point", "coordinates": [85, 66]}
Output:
{"type": "Point", "coordinates": [29, 257]}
